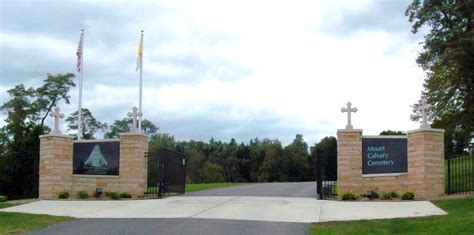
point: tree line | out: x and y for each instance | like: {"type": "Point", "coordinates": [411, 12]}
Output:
{"type": "Point", "coordinates": [213, 161]}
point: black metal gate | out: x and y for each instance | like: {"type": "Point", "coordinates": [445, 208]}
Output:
{"type": "Point", "coordinates": [19, 177]}
{"type": "Point", "coordinates": [166, 173]}
{"type": "Point", "coordinates": [326, 174]}
{"type": "Point", "coordinates": [459, 171]}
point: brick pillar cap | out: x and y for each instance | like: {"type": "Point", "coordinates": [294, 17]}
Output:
{"type": "Point", "coordinates": [349, 130]}
{"type": "Point", "coordinates": [55, 135]}
{"type": "Point", "coordinates": [426, 130]}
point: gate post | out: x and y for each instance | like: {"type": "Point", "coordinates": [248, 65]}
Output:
{"type": "Point", "coordinates": [349, 161]}
{"type": "Point", "coordinates": [426, 162]}
{"type": "Point", "coordinates": [133, 164]}
{"type": "Point", "coordinates": [55, 165]}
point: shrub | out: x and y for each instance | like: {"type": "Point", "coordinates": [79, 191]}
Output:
{"type": "Point", "coordinates": [386, 196]}
{"type": "Point", "coordinates": [349, 196]}
{"type": "Point", "coordinates": [63, 195]}
{"type": "Point", "coordinates": [408, 196]}
{"type": "Point", "coordinates": [83, 195]}
{"type": "Point", "coordinates": [3, 198]}
{"type": "Point", "coordinates": [125, 195]}
{"type": "Point", "coordinates": [113, 195]}
{"type": "Point", "coordinates": [394, 194]}
{"type": "Point", "coordinates": [371, 194]}
{"type": "Point", "coordinates": [375, 195]}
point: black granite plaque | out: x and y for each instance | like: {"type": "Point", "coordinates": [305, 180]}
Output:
{"type": "Point", "coordinates": [384, 155]}
{"type": "Point", "coordinates": [96, 158]}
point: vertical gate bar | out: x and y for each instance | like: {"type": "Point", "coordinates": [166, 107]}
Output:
{"type": "Point", "coordinates": [318, 174]}
{"type": "Point", "coordinates": [449, 175]}
{"type": "Point", "coordinates": [184, 172]}
{"type": "Point", "coordinates": [464, 173]}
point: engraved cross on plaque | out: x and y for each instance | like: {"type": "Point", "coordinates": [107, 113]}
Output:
{"type": "Point", "coordinates": [134, 115]}
{"type": "Point", "coordinates": [349, 110]}
{"type": "Point", "coordinates": [424, 107]}
{"type": "Point", "coordinates": [57, 115]}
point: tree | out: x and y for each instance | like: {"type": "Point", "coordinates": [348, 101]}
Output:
{"type": "Point", "coordinates": [328, 150]}
{"type": "Point", "coordinates": [90, 125]}
{"type": "Point", "coordinates": [390, 132]}
{"type": "Point", "coordinates": [270, 170]}
{"type": "Point", "coordinates": [164, 140]}
{"type": "Point", "coordinates": [295, 160]}
{"type": "Point", "coordinates": [124, 125]}
{"type": "Point", "coordinates": [26, 111]}
{"type": "Point", "coordinates": [447, 58]}
{"type": "Point", "coordinates": [211, 173]}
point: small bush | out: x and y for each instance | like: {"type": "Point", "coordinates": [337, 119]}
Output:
{"type": "Point", "coordinates": [375, 195]}
{"type": "Point", "coordinates": [408, 196]}
{"type": "Point", "coordinates": [370, 194]}
{"type": "Point", "coordinates": [63, 195]}
{"type": "Point", "coordinates": [348, 196]}
{"type": "Point", "coordinates": [83, 195]}
{"type": "Point", "coordinates": [125, 195]}
{"type": "Point", "coordinates": [113, 195]}
{"type": "Point", "coordinates": [387, 196]}
{"type": "Point", "coordinates": [3, 198]}
{"type": "Point", "coordinates": [394, 194]}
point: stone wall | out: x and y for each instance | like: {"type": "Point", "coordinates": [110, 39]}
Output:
{"type": "Point", "coordinates": [425, 176]}
{"type": "Point", "coordinates": [56, 168]}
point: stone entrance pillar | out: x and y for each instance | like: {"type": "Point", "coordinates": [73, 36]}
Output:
{"type": "Point", "coordinates": [349, 160]}
{"type": "Point", "coordinates": [55, 165]}
{"type": "Point", "coordinates": [426, 162]}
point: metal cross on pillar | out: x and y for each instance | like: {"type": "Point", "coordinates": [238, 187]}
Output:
{"type": "Point", "coordinates": [134, 115]}
{"type": "Point", "coordinates": [424, 107]}
{"type": "Point", "coordinates": [57, 115]}
{"type": "Point", "coordinates": [349, 110]}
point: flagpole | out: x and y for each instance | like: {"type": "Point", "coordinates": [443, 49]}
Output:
{"type": "Point", "coordinates": [141, 83]}
{"type": "Point", "coordinates": [79, 121]}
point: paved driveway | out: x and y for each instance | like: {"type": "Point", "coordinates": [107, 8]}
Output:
{"type": "Point", "coordinates": [302, 189]}
{"type": "Point", "coordinates": [276, 208]}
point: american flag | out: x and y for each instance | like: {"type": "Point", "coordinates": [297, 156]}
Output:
{"type": "Point", "coordinates": [79, 55]}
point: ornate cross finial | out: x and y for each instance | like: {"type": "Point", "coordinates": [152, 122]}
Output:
{"type": "Point", "coordinates": [57, 115]}
{"type": "Point", "coordinates": [134, 115]}
{"type": "Point", "coordinates": [424, 107]}
{"type": "Point", "coordinates": [349, 110]}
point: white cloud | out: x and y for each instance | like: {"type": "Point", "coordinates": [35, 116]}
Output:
{"type": "Point", "coordinates": [243, 68]}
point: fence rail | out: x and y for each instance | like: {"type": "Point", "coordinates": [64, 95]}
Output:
{"type": "Point", "coordinates": [460, 171]}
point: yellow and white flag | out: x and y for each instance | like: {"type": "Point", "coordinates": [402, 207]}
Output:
{"type": "Point", "coordinates": [140, 53]}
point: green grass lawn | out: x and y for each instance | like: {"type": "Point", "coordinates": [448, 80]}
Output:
{"type": "Point", "coordinates": [15, 223]}
{"type": "Point", "coordinates": [460, 220]}
{"type": "Point", "coordinates": [199, 187]}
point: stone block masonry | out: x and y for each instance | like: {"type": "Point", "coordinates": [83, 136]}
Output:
{"type": "Point", "coordinates": [56, 173]}
{"type": "Point", "coordinates": [425, 159]}
{"type": "Point", "coordinates": [55, 163]}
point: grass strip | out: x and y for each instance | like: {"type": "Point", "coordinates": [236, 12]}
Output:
{"type": "Point", "coordinates": [207, 186]}
{"type": "Point", "coordinates": [460, 220]}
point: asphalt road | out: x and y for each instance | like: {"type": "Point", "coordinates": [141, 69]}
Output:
{"type": "Point", "coordinates": [302, 189]}
{"type": "Point", "coordinates": [174, 226]}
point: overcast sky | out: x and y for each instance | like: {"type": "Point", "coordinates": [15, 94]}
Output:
{"type": "Point", "coordinates": [223, 69]}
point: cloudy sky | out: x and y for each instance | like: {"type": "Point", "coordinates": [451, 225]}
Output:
{"type": "Point", "coordinates": [223, 69]}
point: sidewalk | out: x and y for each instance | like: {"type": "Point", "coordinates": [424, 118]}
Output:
{"type": "Point", "coordinates": [277, 209]}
